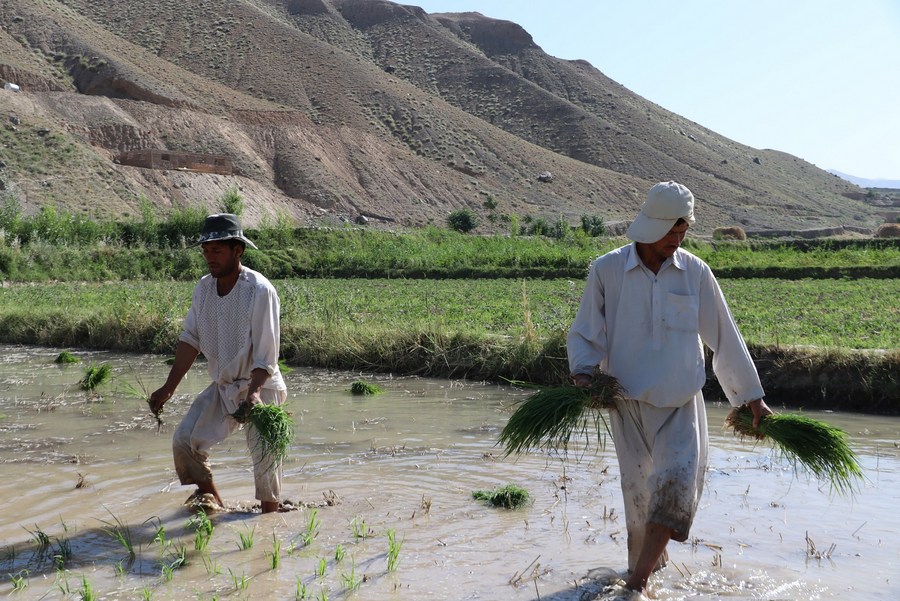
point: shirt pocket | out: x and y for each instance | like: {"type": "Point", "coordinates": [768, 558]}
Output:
{"type": "Point", "coordinates": [682, 313]}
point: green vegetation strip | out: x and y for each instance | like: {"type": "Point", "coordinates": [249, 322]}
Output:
{"type": "Point", "coordinates": [815, 445]}
{"type": "Point", "coordinates": [146, 316]}
{"type": "Point", "coordinates": [800, 332]}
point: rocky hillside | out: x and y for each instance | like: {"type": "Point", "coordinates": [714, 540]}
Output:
{"type": "Point", "coordinates": [331, 109]}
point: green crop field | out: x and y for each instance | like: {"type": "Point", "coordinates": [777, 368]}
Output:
{"type": "Point", "coordinates": [857, 314]}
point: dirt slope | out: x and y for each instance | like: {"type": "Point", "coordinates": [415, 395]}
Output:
{"type": "Point", "coordinates": [334, 108]}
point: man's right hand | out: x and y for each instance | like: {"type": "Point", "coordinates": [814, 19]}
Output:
{"type": "Point", "coordinates": [158, 399]}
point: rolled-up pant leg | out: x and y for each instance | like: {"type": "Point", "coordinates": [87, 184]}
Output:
{"type": "Point", "coordinates": [266, 474]}
{"type": "Point", "coordinates": [663, 457]}
{"type": "Point", "coordinates": [205, 424]}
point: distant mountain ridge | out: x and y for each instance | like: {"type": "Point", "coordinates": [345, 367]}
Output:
{"type": "Point", "coordinates": [867, 183]}
{"type": "Point", "coordinates": [334, 109]}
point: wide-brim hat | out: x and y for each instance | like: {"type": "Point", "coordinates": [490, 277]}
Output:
{"type": "Point", "coordinates": [223, 226]}
{"type": "Point", "coordinates": [666, 203]}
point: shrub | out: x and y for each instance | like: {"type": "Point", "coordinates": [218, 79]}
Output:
{"type": "Point", "coordinates": [462, 220]}
{"type": "Point", "coordinates": [734, 232]}
{"type": "Point", "coordinates": [593, 226]}
{"type": "Point", "coordinates": [888, 230]}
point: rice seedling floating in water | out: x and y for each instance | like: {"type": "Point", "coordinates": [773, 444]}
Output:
{"type": "Point", "coordinates": [548, 418]}
{"type": "Point", "coordinates": [364, 388]}
{"type": "Point", "coordinates": [274, 426]}
{"type": "Point", "coordinates": [65, 357]}
{"type": "Point", "coordinates": [819, 447]}
{"type": "Point", "coordinates": [284, 368]}
{"type": "Point", "coordinates": [94, 376]}
{"type": "Point", "coordinates": [509, 496]}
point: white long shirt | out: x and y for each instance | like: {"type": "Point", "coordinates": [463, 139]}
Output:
{"type": "Point", "coordinates": [648, 330]}
{"type": "Point", "coordinates": [237, 333]}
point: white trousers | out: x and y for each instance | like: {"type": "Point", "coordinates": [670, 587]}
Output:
{"type": "Point", "coordinates": [663, 456]}
{"type": "Point", "coordinates": [207, 423]}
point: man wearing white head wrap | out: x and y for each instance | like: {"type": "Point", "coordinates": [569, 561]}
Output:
{"type": "Point", "coordinates": [647, 310]}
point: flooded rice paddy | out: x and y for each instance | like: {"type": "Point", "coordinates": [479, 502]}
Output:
{"type": "Point", "coordinates": [91, 503]}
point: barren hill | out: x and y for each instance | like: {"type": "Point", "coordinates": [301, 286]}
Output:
{"type": "Point", "coordinates": [331, 109]}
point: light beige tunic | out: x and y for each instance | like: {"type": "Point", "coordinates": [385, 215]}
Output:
{"type": "Point", "coordinates": [236, 333]}
{"type": "Point", "coordinates": [648, 330]}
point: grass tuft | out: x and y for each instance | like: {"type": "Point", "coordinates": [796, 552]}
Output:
{"type": "Point", "coordinates": [509, 496]}
{"type": "Point", "coordinates": [818, 447]}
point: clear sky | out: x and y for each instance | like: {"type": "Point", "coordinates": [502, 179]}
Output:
{"type": "Point", "coordinates": [819, 79]}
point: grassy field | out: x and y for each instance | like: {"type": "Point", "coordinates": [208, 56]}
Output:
{"type": "Point", "coordinates": [853, 314]}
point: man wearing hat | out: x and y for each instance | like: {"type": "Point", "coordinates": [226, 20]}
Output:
{"type": "Point", "coordinates": [234, 321]}
{"type": "Point", "coordinates": [647, 310]}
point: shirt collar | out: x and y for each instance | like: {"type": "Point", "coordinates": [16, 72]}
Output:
{"type": "Point", "coordinates": [633, 260]}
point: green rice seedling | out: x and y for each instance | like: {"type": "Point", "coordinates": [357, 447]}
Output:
{"type": "Point", "coordinates": [360, 529]}
{"type": "Point", "coordinates": [40, 538]}
{"type": "Point", "coordinates": [203, 529]}
{"type": "Point", "coordinates": [61, 580]}
{"type": "Point", "coordinates": [393, 555]}
{"type": "Point", "coordinates": [87, 591]}
{"type": "Point", "coordinates": [361, 387]}
{"type": "Point", "coordinates": [320, 567]}
{"type": "Point", "coordinates": [19, 580]}
{"type": "Point", "coordinates": [246, 539]}
{"type": "Point", "coordinates": [65, 357]}
{"type": "Point", "coordinates": [274, 426]}
{"type": "Point", "coordinates": [312, 527]}
{"type": "Point", "coordinates": [160, 534]}
{"type": "Point", "coordinates": [509, 496]}
{"type": "Point", "coordinates": [548, 419]}
{"type": "Point", "coordinates": [119, 568]}
{"type": "Point", "coordinates": [284, 368]}
{"type": "Point", "coordinates": [146, 594]}
{"type": "Point", "coordinates": [818, 447]}
{"type": "Point", "coordinates": [351, 579]}
{"type": "Point", "coordinates": [122, 533]}
{"type": "Point", "coordinates": [240, 583]}
{"type": "Point", "coordinates": [140, 391]}
{"type": "Point", "coordinates": [94, 376]}
{"type": "Point", "coordinates": [303, 593]}
{"type": "Point", "coordinates": [323, 595]}
{"type": "Point", "coordinates": [211, 565]}
{"type": "Point", "coordinates": [339, 553]}
{"type": "Point", "coordinates": [276, 552]}
{"type": "Point", "coordinates": [177, 559]}
{"type": "Point", "coordinates": [63, 552]}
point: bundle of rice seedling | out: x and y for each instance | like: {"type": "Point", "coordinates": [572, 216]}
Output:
{"type": "Point", "coordinates": [65, 357]}
{"type": "Point", "coordinates": [817, 446]}
{"type": "Point", "coordinates": [509, 496]}
{"type": "Point", "coordinates": [274, 426]}
{"type": "Point", "coordinates": [362, 387]}
{"type": "Point", "coordinates": [141, 392]}
{"type": "Point", "coordinates": [94, 376]}
{"type": "Point", "coordinates": [548, 419]}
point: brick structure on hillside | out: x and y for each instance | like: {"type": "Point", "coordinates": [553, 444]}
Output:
{"type": "Point", "coordinates": [154, 158]}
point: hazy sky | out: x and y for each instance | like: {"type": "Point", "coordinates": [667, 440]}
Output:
{"type": "Point", "coordinates": [819, 79]}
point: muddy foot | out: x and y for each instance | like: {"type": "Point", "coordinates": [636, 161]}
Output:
{"type": "Point", "coordinates": [205, 502]}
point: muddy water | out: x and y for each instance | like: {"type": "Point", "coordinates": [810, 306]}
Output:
{"type": "Point", "coordinates": [77, 468]}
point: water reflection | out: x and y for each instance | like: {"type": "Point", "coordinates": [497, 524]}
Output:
{"type": "Point", "coordinates": [79, 468]}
